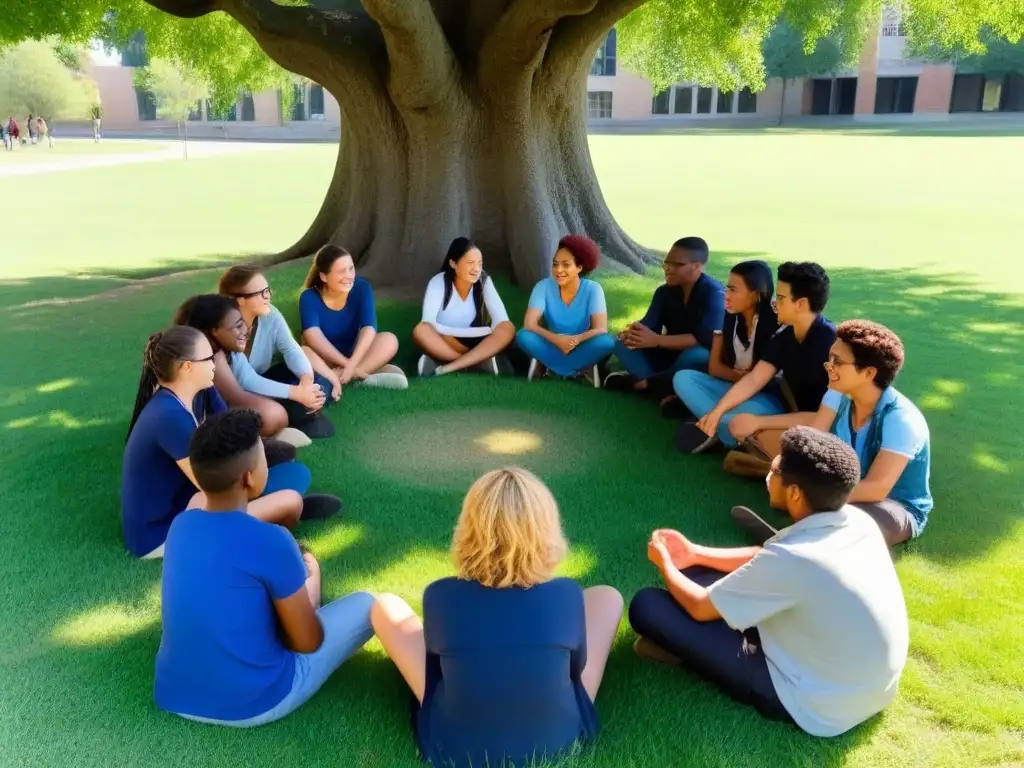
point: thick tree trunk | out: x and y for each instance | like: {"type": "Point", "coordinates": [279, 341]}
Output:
{"type": "Point", "coordinates": [457, 119]}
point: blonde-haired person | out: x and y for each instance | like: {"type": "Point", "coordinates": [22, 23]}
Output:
{"type": "Point", "coordinates": [508, 659]}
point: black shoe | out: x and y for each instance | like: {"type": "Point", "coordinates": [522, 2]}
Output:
{"type": "Point", "coordinates": [320, 506]}
{"type": "Point", "coordinates": [316, 426]}
{"type": "Point", "coordinates": [278, 451]}
{"type": "Point", "coordinates": [752, 524]}
{"type": "Point", "coordinates": [676, 409]}
{"type": "Point", "coordinates": [619, 381]}
{"type": "Point", "coordinates": [691, 439]}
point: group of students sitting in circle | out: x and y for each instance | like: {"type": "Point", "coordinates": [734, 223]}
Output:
{"type": "Point", "coordinates": [808, 625]}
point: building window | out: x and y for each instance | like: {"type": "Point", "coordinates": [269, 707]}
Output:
{"type": "Point", "coordinates": [599, 105]}
{"type": "Point", "coordinates": [683, 100]}
{"type": "Point", "coordinates": [299, 102]}
{"type": "Point", "coordinates": [604, 61]}
{"type": "Point", "coordinates": [746, 102]}
{"type": "Point", "coordinates": [146, 103]}
{"type": "Point", "coordinates": [661, 100]}
{"type": "Point", "coordinates": [724, 102]}
{"type": "Point", "coordinates": [892, 23]}
{"type": "Point", "coordinates": [704, 101]}
{"type": "Point", "coordinates": [1013, 94]}
{"type": "Point", "coordinates": [895, 95]}
{"type": "Point", "coordinates": [248, 108]}
{"type": "Point", "coordinates": [316, 102]}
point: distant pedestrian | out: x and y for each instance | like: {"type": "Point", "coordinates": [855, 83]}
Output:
{"type": "Point", "coordinates": [43, 132]}
{"type": "Point", "coordinates": [97, 118]}
{"type": "Point", "coordinates": [31, 128]}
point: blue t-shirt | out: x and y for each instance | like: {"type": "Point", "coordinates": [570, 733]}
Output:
{"type": "Point", "coordinates": [153, 487]}
{"type": "Point", "coordinates": [903, 432]}
{"type": "Point", "coordinates": [220, 654]}
{"type": "Point", "coordinates": [568, 319]}
{"type": "Point", "coordinates": [503, 672]}
{"type": "Point", "coordinates": [340, 326]}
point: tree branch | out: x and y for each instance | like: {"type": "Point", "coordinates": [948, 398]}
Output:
{"type": "Point", "coordinates": [423, 67]}
{"type": "Point", "coordinates": [185, 9]}
{"type": "Point", "coordinates": [521, 36]}
{"type": "Point", "coordinates": [575, 40]}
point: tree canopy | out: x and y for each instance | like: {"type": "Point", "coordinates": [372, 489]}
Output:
{"type": "Point", "coordinates": [35, 79]}
{"type": "Point", "coordinates": [176, 91]}
{"type": "Point", "coordinates": [786, 55]}
{"type": "Point", "coordinates": [664, 40]}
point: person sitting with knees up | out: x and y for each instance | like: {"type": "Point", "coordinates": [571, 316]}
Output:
{"type": "Point", "coordinates": [464, 325]}
{"type": "Point", "coordinates": [737, 346]}
{"type": "Point", "coordinates": [175, 396]}
{"type": "Point", "coordinates": [888, 432]}
{"type": "Point", "coordinates": [678, 330]}
{"type": "Point", "coordinates": [220, 319]}
{"type": "Point", "coordinates": [574, 337]}
{"type": "Point", "coordinates": [245, 640]}
{"type": "Point", "coordinates": [811, 628]}
{"type": "Point", "coordinates": [339, 323]}
{"type": "Point", "coordinates": [508, 659]}
{"type": "Point", "coordinates": [268, 335]}
{"type": "Point", "coordinates": [757, 407]}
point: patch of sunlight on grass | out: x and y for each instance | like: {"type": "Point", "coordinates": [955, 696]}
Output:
{"type": "Point", "coordinates": [57, 386]}
{"type": "Point", "coordinates": [936, 403]}
{"type": "Point", "coordinates": [28, 421]}
{"type": "Point", "coordinates": [949, 387]}
{"type": "Point", "coordinates": [579, 562]}
{"type": "Point", "coordinates": [333, 542]}
{"type": "Point", "coordinates": [67, 421]}
{"type": "Point", "coordinates": [1000, 377]}
{"type": "Point", "coordinates": [510, 442]}
{"type": "Point", "coordinates": [110, 623]}
{"type": "Point", "coordinates": [982, 459]}
{"type": "Point", "coordinates": [407, 574]}
{"type": "Point", "coordinates": [1004, 329]}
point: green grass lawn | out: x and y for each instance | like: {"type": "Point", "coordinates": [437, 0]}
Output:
{"type": "Point", "coordinates": [919, 232]}
{"type": "Point", "coordinates": [64, 149]}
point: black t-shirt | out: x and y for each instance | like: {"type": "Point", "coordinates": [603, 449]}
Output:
{"type": "Point", "coordinates": [803, 363]}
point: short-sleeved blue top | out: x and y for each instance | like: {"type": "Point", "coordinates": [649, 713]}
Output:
{"type": "Point", "coordinates": [340, 326]}
{"type": "Point", "coordinates": [572, 318]}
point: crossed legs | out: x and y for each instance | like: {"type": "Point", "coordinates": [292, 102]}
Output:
{"type": "Point", "coordinates": [454, 355]}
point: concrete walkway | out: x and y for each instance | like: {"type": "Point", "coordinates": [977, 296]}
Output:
{"type": "Point", "coordinates": [170, 151]}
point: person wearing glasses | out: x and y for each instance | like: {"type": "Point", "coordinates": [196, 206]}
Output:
{"type": "Point", "coordinates": [785, 388]}
{"type": "Point", "coordinates": [809, 629]}
{"type": "Point", "coordinates": [678, 329]}
{"type": "Point", "coordinates": [887, 431]}
{"type": "Point", "coordinates": [269, 337]}
{"type": "Point", "coordinates": [176, 395]}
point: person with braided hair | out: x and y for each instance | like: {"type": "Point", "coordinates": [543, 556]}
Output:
{"type": "Point", "coordinates": [175, 395]}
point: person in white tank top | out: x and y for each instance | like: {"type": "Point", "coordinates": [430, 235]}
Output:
{"type": "Point", "coordinates": [464, 325]}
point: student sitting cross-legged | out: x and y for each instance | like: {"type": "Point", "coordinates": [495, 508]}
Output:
{"type": "Point", "coordinates": [677, 331]}
{"type": "Point", "coordinates": [221, 320]}
{"type": "Point", "coordinates": [175, 396]}
{"type": "Point", "coordinates": [464, 325]}
{"type": "Point", "coordinates": [339, 323]}
{"type": "Point", "coordinates": [508, 659]}
{"type": "Point", "coordinates": [245, 640]}
{"type": "Point", "coordinates": [269, 336]}
{"type": "Point", "coordinates": [574, 337]}
{"type": "Point", "coordinates": [758, 406]}
{"type": "Point", "coordinates": [886, 430]}
{"type": "Point", "coordinates": [740, 341]}
{"type": "Point", "coordinates": [810, 628]}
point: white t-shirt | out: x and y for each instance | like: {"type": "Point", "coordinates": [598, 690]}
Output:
{"type": "Point", "coordinates": [744, 355]}
{"type": "Point", "coordinates": [457, 318]}
{"type": "Point", "coordinates": [828, 606]}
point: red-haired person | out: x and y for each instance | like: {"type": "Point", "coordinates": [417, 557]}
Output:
{"type": "Point", "coordinates": [574, 336]}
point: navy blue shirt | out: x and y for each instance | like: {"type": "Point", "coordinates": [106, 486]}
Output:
{"type": "Point", "coordinates": [503, 672]}
{"type": "Point", "coordinates": [803, 362]}
{"type": "Point", "coordinates": [340, 326]}
{"type": "Point", "coordinates": [220, 653]}
{"type": "Point", "coordinates": [153, 487]}
{"type": "Point", "coordinates": [701, 316]}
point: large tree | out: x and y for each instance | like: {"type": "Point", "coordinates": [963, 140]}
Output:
{"type": "Point", "coordinates": [468, 116]}
{"type": "Point", "coordinates": [36, 78]}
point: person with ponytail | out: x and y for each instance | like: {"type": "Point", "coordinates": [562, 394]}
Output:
{"type": "Point", "coordinates": [339, 323]}
{"type": "Point", "coordinates": [175, 395]}
{"type": "Point", "coordinates": [278, 404]}
{"type": "Point", "coordinates": [464, 323]}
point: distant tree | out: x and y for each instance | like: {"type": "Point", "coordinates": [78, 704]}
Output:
{"type": "Point", "coordinates": [34, 80]}
{"type": "Point", "coordinates": [996, 57]}
{"type": "Point", "coordinates": [176, 90]}
{"type": "Point", "coordinates": [786, 55]}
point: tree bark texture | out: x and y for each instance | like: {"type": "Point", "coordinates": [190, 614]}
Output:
{"type": "Point", "coordinates": [459, 117]}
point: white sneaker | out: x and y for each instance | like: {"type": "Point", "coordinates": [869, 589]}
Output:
{"type": "Point", "coordinates": [426, 366]}
{"type": "Point", "coordinates": [494, 366]}
{"type": "Point", "coordinates": [536, 371]}
{"type": "Point", "coordinates": [293, 436]}
{"type": "Point", "coordinates": [595, 377]}
{"type": "Point", "coordinates": [388, 377]}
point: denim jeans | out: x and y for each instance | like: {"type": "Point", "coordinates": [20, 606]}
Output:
{"type": "Point", "coordinates": [586, 355]}
{"type": "Point", "coordinates": [643, 364]}
{"type": "Point", "coordinates": [700, 392]}
{"type": "Point", "coordinates": [347, 628]}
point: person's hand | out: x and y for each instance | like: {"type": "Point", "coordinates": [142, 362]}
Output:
{"type": "Point", "coordinates": [658, 553]}
{"type": "Point", "coordinates": [309, 394]}
{"type": "Point", "coordinates": [641, 337]}
{"type": "Point", "coordinates": [681, 551]}
{"type": "Point", "coordinates": [565, 344]}
{"type": "Point", "coordinates": [312, 566]}
{"type": "Point", "coordinates": [708, 424]}
{"type": "Point", "coordinates": [345, 374]}
{"type": "Point", "coordinates": [743, 426]}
